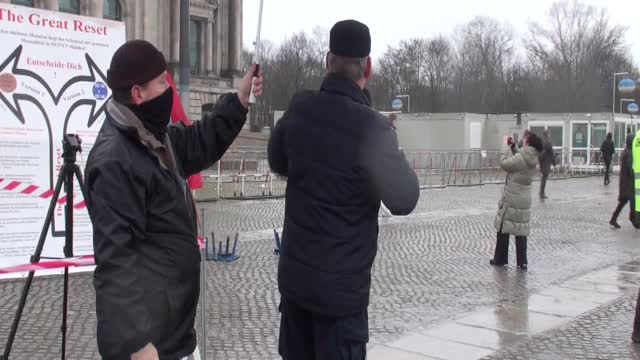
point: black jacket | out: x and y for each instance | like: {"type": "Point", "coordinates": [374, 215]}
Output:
{"type": "Point", "coordinates": [547, 157]}
{"type": "Point", "coordinates": [607, 149]}
{"type": "Point", "coordinates": [627, 191]}
{"type": "Point", "coordinates": [341, 158]}
{"type": "Point", "coordinates": [144, 228]}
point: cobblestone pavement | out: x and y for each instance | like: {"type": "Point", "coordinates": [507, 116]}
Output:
{"type": "Point", "coordinates": [431, 267]}
{"type": "Point", "coordinates": [603, 333]}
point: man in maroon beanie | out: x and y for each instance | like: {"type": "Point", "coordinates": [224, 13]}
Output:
{"type": "Point", "coordinates": [144, 219]}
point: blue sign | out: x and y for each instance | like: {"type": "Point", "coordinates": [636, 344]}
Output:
{"type": "Point", "coordinates": [396, 104]}
{"type": "Point", "coordinates": [626, 85]}
{"type": "Point", "coordinates": [100, 90]}
{"type": "Point", "coordinates": [633, 108]}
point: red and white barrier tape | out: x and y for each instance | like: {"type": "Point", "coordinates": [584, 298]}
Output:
{"type": "Point", "coordinates": [77, 261]}
{"type": "Point", "coordinates": [19, 187]}
{"type": "Point", "coordinates": [48, 265]}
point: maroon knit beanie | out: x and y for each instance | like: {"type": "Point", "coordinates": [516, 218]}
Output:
{"type": "Point", "coordinates": [135, 63]}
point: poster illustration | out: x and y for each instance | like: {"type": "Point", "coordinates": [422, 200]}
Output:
{"type": "Point", "coordinates": [52, 82]}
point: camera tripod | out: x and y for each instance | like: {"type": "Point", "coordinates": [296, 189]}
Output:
{"type": "Point", "coordinates": [70, 147]}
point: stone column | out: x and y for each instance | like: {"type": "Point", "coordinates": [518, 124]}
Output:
{"type": "Point", "coordinates": [51, 5]}
{"type": "Point", "coordinates": [164, 29]}
{"type": "Point", "coordinates": [175, 32]}
{"type": "Point", "coordinates": [151, 26]}
{"type": "Point", "coordinates": [209, 47]}
{"type": "Point", "coordinates": [224, 32]}
{"type": "Point", "coordinates": [217, 45]}
{"type": "Point", "coordinates": [96, 8]}
{"type": "Point", "coordinates": [130, 19]}
{"type": "Point", "coordinates": [139, 23]}
{"type": "Point", "coordinates": [235, 36]}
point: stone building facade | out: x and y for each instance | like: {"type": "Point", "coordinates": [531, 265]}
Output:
{"type": "Point", "coordinates": [215, 43]}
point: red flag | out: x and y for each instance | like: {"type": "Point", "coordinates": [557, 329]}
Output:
{"type": "Point", "coordinates": [179, 115]}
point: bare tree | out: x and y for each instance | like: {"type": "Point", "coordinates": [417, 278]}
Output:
{"type": "Point", "coordinates": [485, 54]}
{"type": "Point", "coordinates": [438, 70]}
{"type": "Point", "coordinates": [567, 66]}
{"type": "Point", "coordinates": [576, 51]}
{"type": "Point", "coordinates": [262, 113]}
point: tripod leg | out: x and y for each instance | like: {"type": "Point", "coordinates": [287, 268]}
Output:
{"type": "Point", "coordinates": [35, 258]}
{"type": "Point", "coordinates": [65, 305]}
{"type": "Point", "coordinates": [78, 173]}
{"type": "Point", "coordinates": [68, 213]}
{"type": "Point", "coordinates": [68, 246]}
{"type": "Point", "coordinates": [47, 221]}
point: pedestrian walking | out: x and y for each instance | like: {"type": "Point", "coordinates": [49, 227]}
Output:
{"type": "Point", "coordinates": [547, 160]}
{"type": "Point", "coordinates": [608, 149]}
{"type": "Point", "coordinates": [626, 193]}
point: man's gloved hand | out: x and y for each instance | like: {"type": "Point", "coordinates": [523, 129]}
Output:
{"type": "Point", "coordinates": [148, 352]}
{"type": "Point", "coordinates": [245, 86]}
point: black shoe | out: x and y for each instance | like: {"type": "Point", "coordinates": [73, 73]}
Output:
{"type": "Point", "coordinates": [494, 263]}
{"type": "Point", "coordinates": [615, 224]}
{"type": "Point", "coordinates": [635, 337]}
{"type": "Point", "coordinates": [543, 197]}
{"type": "Point", "coordinates": [523, 267]}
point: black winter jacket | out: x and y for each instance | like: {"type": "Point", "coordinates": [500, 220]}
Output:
{"type": "Point", "coordinates": [608, 149]}
{"type": "Point", "coordinates": [547, 157]}
{"type": "Point", "coordinates": [144, 228]}
{"type": "Point", "coordinates": [342, 159]}
{"type": "Point", "coordinates": [626, 189]}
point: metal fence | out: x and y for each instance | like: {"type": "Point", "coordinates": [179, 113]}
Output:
{"type": "Point", "coordinates": [245, 174]}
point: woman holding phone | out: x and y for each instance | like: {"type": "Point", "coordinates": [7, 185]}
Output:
{"type": "Point", "coordinates": [514, 209]}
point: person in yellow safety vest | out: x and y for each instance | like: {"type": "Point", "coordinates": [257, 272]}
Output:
{"type": "Point", "coordinates": [636, 169]}
{"type": "Point", "coordinates": [635, 336]}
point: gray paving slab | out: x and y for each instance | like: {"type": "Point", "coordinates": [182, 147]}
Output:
{"type": "Point", "coordinates": [604, 333]}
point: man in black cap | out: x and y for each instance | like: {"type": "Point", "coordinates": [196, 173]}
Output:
{"type": "Point", "coordinates": [342, 159]}
{"type": "Point", "coordinates": [143, 214]}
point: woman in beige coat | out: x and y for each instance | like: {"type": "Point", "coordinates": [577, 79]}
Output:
{"type": "Point", "coordinates": [514, 209]}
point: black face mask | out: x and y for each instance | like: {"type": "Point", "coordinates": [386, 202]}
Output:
{"type": "Point", "coordinates": [155, 114]}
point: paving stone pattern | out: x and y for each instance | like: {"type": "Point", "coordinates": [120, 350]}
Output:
{"type": "Point", "coordinates": [431, 267]}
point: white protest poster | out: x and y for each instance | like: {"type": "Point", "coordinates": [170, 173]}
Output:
{"type": "Point", "coordinates": [52, 81]}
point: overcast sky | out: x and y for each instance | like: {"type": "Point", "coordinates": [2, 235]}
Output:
{"type": "Point", "coordinates": [393, 20]}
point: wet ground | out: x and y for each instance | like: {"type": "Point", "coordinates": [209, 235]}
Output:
{"type": "Point", "coordinates": [434, 294]}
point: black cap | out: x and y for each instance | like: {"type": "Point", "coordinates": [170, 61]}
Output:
{"type": "Point", "coordinates": [350, 38]}
{"type": "Point", "coordinates": [135, 63]}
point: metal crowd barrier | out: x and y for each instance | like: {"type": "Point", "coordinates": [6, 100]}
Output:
{"type": "Point", "coordinates": [245, 173]}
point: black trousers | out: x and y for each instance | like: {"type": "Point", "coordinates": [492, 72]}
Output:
{"type": "Point", "coordinates": [501, 255]}
{"type": "Point", "coordinates": [618, 210]}
{"type": "Point", "coordinates": [305, 335]}
{"type": "Point", "coordinates": [607, 171]}
{"type": "Point", "coordinates": [543, 184]}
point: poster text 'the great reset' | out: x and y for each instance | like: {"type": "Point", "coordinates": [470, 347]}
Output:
{"type": "Point", "coordinates": [38, 20]}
